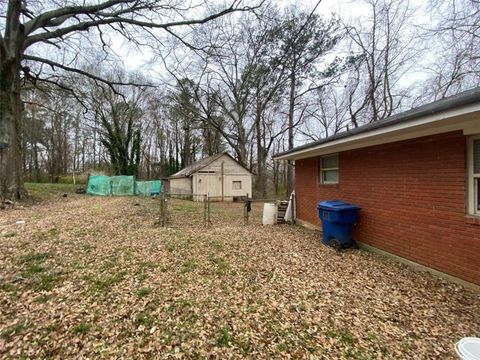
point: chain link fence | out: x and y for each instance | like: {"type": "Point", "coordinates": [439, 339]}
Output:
{"type": "Point", "coordinates": [200, 210]}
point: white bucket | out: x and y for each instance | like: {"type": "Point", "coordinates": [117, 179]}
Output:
{"type": "Point", "coordinates": [269, 213]}
{"type": "Point", "coordinates": [468, 348]}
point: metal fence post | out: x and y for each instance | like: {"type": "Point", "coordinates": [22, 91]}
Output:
{"type": "Point", "coordinates": [245, 211]}
{"type": "Point", "coordinates": [205, 199]}
{"type": "Point", "coordinates": [162, 210]}
{"type": "Point", "coordinates": [208, 215]}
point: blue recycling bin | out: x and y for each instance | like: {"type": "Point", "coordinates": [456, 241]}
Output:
{"type": "Point", "coordinates": [338, 218]}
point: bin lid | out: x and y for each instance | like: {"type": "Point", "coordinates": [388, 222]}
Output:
{"type": "Point", "coordinates": [336, 205]}
{"type": "Point", "coordinates": [468, 348]}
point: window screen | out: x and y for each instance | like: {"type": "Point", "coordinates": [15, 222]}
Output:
{"type": "Point", "coordinates": [330, 162]}
{"type": "Point", "coordinates": [236, 185]}
{"type": "Point", "coordinates": [329, 169]}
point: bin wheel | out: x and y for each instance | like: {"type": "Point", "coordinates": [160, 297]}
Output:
{"type": "Point", "coordinates": [335, 244]}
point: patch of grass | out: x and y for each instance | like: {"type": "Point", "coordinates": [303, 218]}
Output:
{"type": "Point", "coordinates": [50, 328]}
{"type": "Point", "coordinates": [44, 298]}
{"type": "Point", "coordinates": [9, 234]}
{"type": "Point", "coordinates": [225, 337]}
{"type": "Point", "coordinates": [6, 286]}
{"type": "Point", "coordinates": [145, 318]}
{"type": "Point", "coordinates": [141, 272]}
{"type": "Point", "coordinates": [222, 265]}
{"type": "Point", "coordinates": [87, 248]}
{"type": "Point", "coordinates": [144, 291]}
{"type": "Point", "coordinates": [216, 244]}
{"type": "Point", "coordinates": [52, 233]}
{"type": "Point", "coordinates": [246, 346]}
{"type": "Point", "coordinates": [344, 336]}
{"type": "Point", "coordinates": [179, 306]}
{"type": "Point", "coordinates": [34, 268]}
{"type": "Point", "coordinates": [44, 191]}
{"type": "Point", "coordinates": [188, 266]}
{"type": "Point", "coordinates": [34, 258]}
{"type": "Point", "coordinates": [170, 247]}
{"type": "Point", "coordinates": [16, 329]}
{"type": "Point", "coordinates": [81, 328]}
{"type": "Point", "coordinates": [347, 338]}
{"type": "Point", "coordinates": [185, 209]}
{"type": "Point", "coordinates": [47, 282]}
{"type": "Point", "coordinates": [98, 285]}
{"type": "Point", "coordinates": [110, 263]}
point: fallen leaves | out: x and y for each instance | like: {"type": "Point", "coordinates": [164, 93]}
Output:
{"type": "Point", "coordinates": [93, 277]}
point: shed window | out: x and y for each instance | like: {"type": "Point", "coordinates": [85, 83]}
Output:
{"type": "Point", "coordinates": [236, 185]}
{"type": "Point", "coordinates": [329, 169]}
{"type": "Point", "coordinates": [474, 175]}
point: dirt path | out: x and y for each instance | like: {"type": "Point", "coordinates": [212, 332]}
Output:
{"type": "Point", "coordinates": [93, 277]}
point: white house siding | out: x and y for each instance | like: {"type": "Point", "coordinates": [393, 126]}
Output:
{"type": "Point", "coordinates": [181, 186]}
{"type": "Point", "coordinates": [208, 180]}
{"type": "Point", "coordinates": [246, 181]}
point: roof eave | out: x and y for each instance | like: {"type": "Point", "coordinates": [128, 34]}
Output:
{"type": "Point", "coordinates": [465, 118]}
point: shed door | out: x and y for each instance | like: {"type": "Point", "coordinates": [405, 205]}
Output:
{"type": "Point", "coordinates": [210, 184]}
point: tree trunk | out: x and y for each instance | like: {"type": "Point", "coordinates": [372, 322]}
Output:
{"type": "Point", "coordinates": [11, 181]}
{"type": "Point", "coordinates": [291, 114]}
{"type": "Point", "coordinates": [261, 181]}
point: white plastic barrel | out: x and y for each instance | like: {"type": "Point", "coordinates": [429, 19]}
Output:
{"type": "Point", "coordinates": [468, 348]}
{"type": "Point", "coordinates": [269, 213]}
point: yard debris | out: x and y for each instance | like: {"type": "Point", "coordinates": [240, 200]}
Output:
{"type": "Point", "coordinates": [5, 204]}
{"type": "Point", "coordinates": [89, 283]}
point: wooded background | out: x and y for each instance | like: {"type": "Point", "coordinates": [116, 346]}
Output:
{"type": "Point", "coordinates": [252, 79]}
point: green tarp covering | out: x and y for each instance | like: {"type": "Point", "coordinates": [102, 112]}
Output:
{"type": "Point", "coordinates": [99, 185]}
{"type": "Point", "coordinates": [148, 188]}
{"type": "Point", "coordinates": [121, 186]}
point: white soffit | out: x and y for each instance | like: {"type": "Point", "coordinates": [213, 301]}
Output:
{"type": "Point", "coordinates": [466, 118]}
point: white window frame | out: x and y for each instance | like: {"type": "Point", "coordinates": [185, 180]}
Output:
{"type": "Point", "coordinates": [237, 181]}
{"type": "Point", "coordinates": [473, 185]}
{"type": "Point", "coordinates": [322, 169]}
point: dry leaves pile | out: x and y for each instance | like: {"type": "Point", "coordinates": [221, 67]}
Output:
{"type": "Point", "coordinates": [94, 278]}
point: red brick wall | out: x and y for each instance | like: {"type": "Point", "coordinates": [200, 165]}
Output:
{"type": "Point", "coordinates": [412, 195]}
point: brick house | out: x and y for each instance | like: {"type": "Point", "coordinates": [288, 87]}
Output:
{"type": "Point", "coordinates": [416, 176]}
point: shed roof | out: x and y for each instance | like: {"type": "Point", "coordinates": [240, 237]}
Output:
{"type": "Point", "coordinates": [200, 164]}
{"type": "Point", "coordinates": [406, 119]}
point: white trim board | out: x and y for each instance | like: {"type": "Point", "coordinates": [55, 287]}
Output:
{"type": "Point", "coordinates": [465, 118]}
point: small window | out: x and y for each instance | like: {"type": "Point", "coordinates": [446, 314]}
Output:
{"type": "Point", "coordinates": [329, 169]}
{"type": "Point", "coordinates": [236, 185]}
{"type": "Point", "coordinates": [474, 175]}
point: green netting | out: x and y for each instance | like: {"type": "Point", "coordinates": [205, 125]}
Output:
{"type": "Point", "coordinates": [99, 185]}
{"type": "Point", "coordinates": [147, 188]}
{"type": "Point", "coordinates": [121, 186]}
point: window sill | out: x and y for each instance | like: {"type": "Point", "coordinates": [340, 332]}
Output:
{"type": "Point", "coordinates": [472, 219]}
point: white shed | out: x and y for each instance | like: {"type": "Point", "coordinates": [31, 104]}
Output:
{"type": "Point", "coordinates": [219, 176]}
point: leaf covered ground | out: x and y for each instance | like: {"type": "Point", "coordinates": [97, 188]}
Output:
{"type": "Point", "coordinates": [88, 277]}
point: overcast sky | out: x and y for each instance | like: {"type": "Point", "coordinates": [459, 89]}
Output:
{"type": "Point", "coordinates": [350, 11]}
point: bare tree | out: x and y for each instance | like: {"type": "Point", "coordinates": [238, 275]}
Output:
{"type": "Point", "coordinates": [382, 53]}
{"type": "Point", "coordinates": [454, 40]}
{"type": "Point", "coordinates": [304, 41]}
{"type": "Point", "coordinates": [27, 26]}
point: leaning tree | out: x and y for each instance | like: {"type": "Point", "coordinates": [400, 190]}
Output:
{"type": "Point", "coordinates": [34, 33]}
